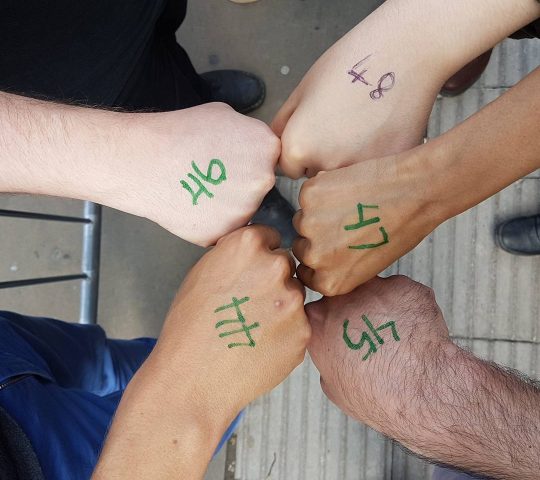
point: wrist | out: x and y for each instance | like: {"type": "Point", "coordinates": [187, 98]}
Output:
{"type": "Point", "coordinates": [421, 173]}
{"type": "Point", "coordinates": [202, 403]}
{"type": "Point", "coordinates": [425, 418]}
{"type": "Point", "coordinates": [163, 428]}
{"type": "Point", "coordinates": [406, 409]}
{"type": "Point", "coordinates": [445, 191]}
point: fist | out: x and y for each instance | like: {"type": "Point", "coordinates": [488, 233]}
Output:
{"type": "Point", "coordinates": [201, 172]}
{"type": "Point", "coordinates": [238, 319]}
{"type": "Point", "coordinates": [377, 347]}
{"type": "Point", "coordinates": [354, 104]}
{"type": "Point", "coordinates": [356, 221]}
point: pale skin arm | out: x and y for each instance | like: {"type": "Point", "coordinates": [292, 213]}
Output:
{"type": "Point", "coordinates": [54, 149]}
{"type": "Point", "coordinates": [330, 121]}
{"type": "Point", "coordinates": [415, 191]}
{"type": "Point", "coordinates": [135, 162]}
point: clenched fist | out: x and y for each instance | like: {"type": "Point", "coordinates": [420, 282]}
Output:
{"type": "Point", "coordinates": [386, 359]}
{"type": "Point", "coordinates": [376, 347]}
{"type": "Point", "coordinates": [235, 330]}
{"type": "Point", "coordinates": [356, 221]}
{"type": "Point", "coordinates": [200, 172]}
{"type": "Point", "coordinates": [237, 326]}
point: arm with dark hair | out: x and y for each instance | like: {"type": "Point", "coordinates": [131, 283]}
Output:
{"type": "Point", "coordinates": [420, 389]}
{"type": "Point", "coordinates": [474, 416]}
{"type": "Point", "coordinates": [185, 170]}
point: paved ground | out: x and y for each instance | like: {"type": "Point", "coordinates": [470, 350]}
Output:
{"type": "Point", "coordinates": [294, 433]}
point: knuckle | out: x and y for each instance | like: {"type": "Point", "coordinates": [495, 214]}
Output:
{"type": "Point", "coordinates": [267, 139]}
{"type": "Point", "coordinates": [326, 389]}
{"type": "Point", "coordinates": [429, 292]}
{"type": "Point", "coordinates": [300, 358]}
{"type": "Point", "coordinates": [308, 194]}
{"type": "Point", "coordinates": [268, 181]}
{"type": "Point", "coordinates": [296, 298]}
{"type": "Point", "coordinates": [250, 237]}
{"type": "Point", "coordinates": [219, 106]}
{"type": "Point", "coordinates": [311, 258]}
{"type": "Point", "coordinates": [400, 280]}
{"type": "Point", "coordinates": [282, 264]}
{"type": "Point", "coordinates": [329, 286]}
{"type": "Point", "coordinates": [275, 146]}
{"type": "Point", "coordinates": [294, 151]}
{"type": "Point", "coordinates": [306, 334]}
{"type": "Point", "coordinates": [308, 223]}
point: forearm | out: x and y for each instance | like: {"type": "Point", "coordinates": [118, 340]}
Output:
{"type": "Point", "coordinates": [54, 149]}
{"type": "Point", "coordinates": [487, 152]}
{"type": "Point", "coordinates": [472, 415]}
{"type": "Point", "coordinates": [162, 429]}
{"type": "Point", "coordinates": [444, 36]}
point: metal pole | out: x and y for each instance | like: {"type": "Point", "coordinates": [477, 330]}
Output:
{"type": "Point", "coordinates": [42, 216]}
{"type": "Point", "coordinates": [40, 281]}
{"type": "Point", "coordinates": [90, 263]}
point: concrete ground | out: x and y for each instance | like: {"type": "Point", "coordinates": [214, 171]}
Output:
{"type": "Point", "coordinates": [294, 433]}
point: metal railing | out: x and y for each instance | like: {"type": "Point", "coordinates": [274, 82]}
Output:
{"type": "Point", "coordinates": [91, 244]}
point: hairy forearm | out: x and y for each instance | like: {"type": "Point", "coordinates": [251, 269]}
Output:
{"type": "Point", "coordinates": [490, 150]}
{"type": "Point", "coordinates": [472, 415]}
{"type": "Point", "coordinates": [61, 150]}
{"type": "Point", "coordinates": [162, 429]}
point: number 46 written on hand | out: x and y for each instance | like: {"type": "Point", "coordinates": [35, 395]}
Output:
{"type": "Point", "coordinates": [215, 174]}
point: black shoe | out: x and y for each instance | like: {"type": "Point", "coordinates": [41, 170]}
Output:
{"type": "Point", "coordinates": [243, 91]}
{"type": "Point", "coordinates": [278, 213]}
{"type": "Point", "coordinates": [520, 236]}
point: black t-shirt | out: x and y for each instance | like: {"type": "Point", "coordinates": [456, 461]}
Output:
{"type": "Point", "coordinates": [73, 50]}
{"type": "Point", "coordinates": [17, 458]}
{"type": "Point", "coordinates": [121, 53]}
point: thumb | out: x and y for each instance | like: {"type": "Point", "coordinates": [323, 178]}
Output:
{"type": "Point", "coordinates": [284, 114]}
{"type": "Point", "coordinates": [316, 313]}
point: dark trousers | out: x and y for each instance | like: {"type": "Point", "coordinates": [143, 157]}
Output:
{"type": "Point", "coordinates": [117, 54]}
{"type": "Point", "coordinates": [530, 31]}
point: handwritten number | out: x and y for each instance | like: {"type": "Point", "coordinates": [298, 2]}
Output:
{"type": "Point", "coordinates": [386, 82]}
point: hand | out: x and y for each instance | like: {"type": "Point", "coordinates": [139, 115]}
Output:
{"type": "Point", "coordinates": [236, 329]}
{"type": "Point", "coordinates": [386, 359]}
{"type": "Point", "coordinates": [356, 221]}
{"type": "Point", "coordinates": [371, 93]}
{"type": "Point", "coordinates": [376, 386]}
{"type": "Point", "coordinates": [229, 371]}
{"type": "Point", "coordinates": [332, 120]}
{"type": "Point", "coordinates": [200, 172]}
